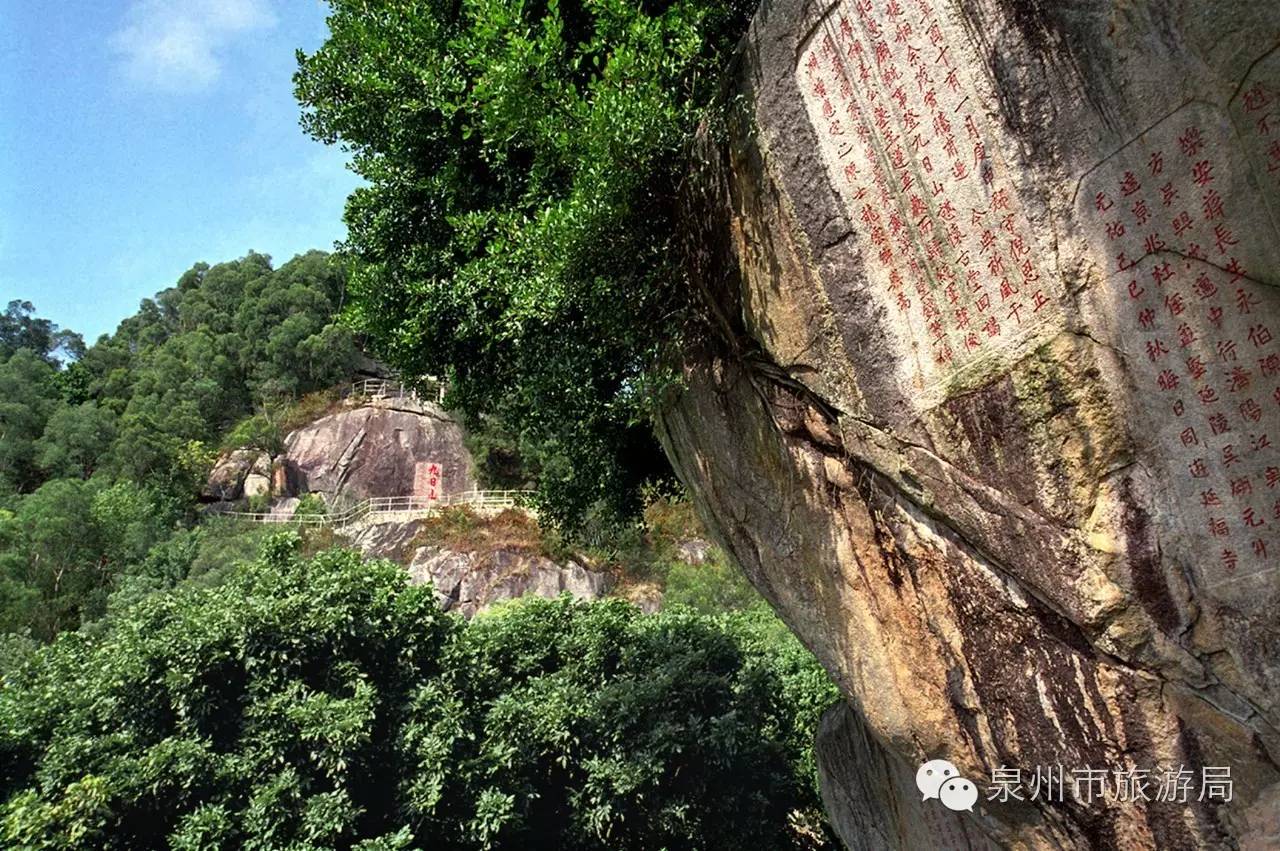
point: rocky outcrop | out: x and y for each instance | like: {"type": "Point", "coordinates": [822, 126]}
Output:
{"type": "Point", "coordinates": [470, 582]}
{"type": "Point", "coordinates": [989, 403]}
{"type": "Point", "coordinates": [393, 540]}
{"type": "Point", "coordinates": [380, 449]}
{"type": "Point", "coordinates": [235, 473]}
{"type": "Point", "coordinates": [693, 551]}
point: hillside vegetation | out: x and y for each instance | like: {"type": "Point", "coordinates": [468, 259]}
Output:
{"type": "Point", "coordinates": [519, 229]}
{"type": "Point", "coordinates": [209, 685]}
{"type": "Point", "coordinates": [322, 703]}
{"type": "Point", "coordinates": [101, 459]}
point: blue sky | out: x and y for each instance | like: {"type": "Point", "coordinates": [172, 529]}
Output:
{"type": "Point", "coordinates": [138, 137]}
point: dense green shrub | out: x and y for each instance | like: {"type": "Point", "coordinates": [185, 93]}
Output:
{"type": "Point", "coordinates": [311, 505]}
{"type": "Point", "coordinates": [715, 585]}
{"type": "Point", "coordinates": [320, 703]}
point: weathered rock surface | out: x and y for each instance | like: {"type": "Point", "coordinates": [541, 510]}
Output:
{"type": "Point", "coordinates": [469, 582]}
{"type": "Point", "coordinates": [864, 804]}
{"type": "Point", "coordinates": [647, 596]}
{"type": "Point", "coordinates": [392, 540]}
{"type": "Point", "coordinates": [694, 551]}
{"type": "Point", "coordinates": [284, 507]}
{"type": "Point", "coordinates": [383, 449]}
{"type": "Point", "coordinates": [992, 400]}
{"type": "Point", "coordinates": [231, 473]}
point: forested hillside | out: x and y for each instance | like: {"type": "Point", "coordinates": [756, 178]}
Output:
{"type": "Point", "coordinates": [172, 677]}
{"type": "Point", "coordinates": [103, 449]}
{"type": "Point", "coordinates": [323, 704]}
{"type": "Point", "coordinates": [169, 678]}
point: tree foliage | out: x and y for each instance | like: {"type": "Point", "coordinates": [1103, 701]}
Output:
{"type": "Point", "coordinates": [20, 328]}
{"type": "Point", "coordinates": [75, 437]}
{"type": "Point", "coordinates": [518, 227]}
{"type": "Point", "coordinates": [28, 397]}
{"type": "Point", "coordinates": [63, 547]}
{"type": "Point", "coordinates": [321, 703]}
{"type": "Point", "coordinates": [101, 456]}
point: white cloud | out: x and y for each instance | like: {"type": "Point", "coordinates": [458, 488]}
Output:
{"type": "Point", "coordinates": [175, 45]}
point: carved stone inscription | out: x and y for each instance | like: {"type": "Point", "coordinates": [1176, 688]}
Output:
{"type": "Point", "coordinates": [1255, 111]}
{"type": "Point", "coordinates": [1180, 216]}
{"type": "Point", "coordinates": [904, 134]}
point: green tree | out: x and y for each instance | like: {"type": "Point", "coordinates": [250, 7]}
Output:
{"type": "Point", "coordinates": [261, 431]}
{"type": "Point", "coordinates": [319, 703]}
{"type": "Point", "coordinates": [132, 420]}
{"type": "Point", "coordinates": [19, 599]}
{"type": "Point", "coordinates": [74, 439]}
{"type": "Point", "coordinates": [20, 328]}
{"type": "Point", "coordinates": [519, 229]}
{"type": "Point", "coordinates": [28, 396]}
{"type": "Point", "coordinates": [59, 556]}
{"type": "Point", "coordinates": [285, 320]}
{"type": "Point", "coordinates": [66, 544]}
{"type": "Point", "coordinates": [129, 520]}
{"type": "Point", "coordinates": [152, 441]}
{"type": "Point", "coordinates": [201, 355]}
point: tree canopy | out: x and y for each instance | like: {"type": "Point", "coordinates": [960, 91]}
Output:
{"type": "Point", "coordinates": [21, 328]}
{"type": "Point", "coordinates": [134, 420]}
{"type": "Point", "coordinates": [518, 229]}
{"type": "Point", "coordinates": [321, 703]}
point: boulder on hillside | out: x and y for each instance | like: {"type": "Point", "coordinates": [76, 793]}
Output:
{"type": "Point", "coordinates": [469, 582]}
{"type": "Point", "coordinates": [377, 450]}
{"type": "Point", "coordinates": [231, 475]}
{"type": "Point", "coordinates": [392, 540]}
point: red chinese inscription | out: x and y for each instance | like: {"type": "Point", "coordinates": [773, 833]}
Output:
{"type": "Point", "coordinates": [1206, 334]}
{"type": "Point", "coordinates": [940, 228]}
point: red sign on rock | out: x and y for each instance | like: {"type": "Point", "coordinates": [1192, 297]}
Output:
{"type": "Point", "coordinates": [428, 480]}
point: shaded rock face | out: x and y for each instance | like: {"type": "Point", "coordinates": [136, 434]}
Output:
{"type": "Point", "coordinates": [236, 472]}
{"type": "Point", "coordinates": [377, 450]}
{"type": "Point", "coordinates": [863, 804]}
{"type": "Point", "coordinates": [990, 409]}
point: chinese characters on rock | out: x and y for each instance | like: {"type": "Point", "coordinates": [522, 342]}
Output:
{"type": "Point", "coordinates": [428, 479]}
{"type": "Point", "coordinates": [948, 248]}
{"type": "Point", "coordinates": [1207, 345]}
{"type": "Point", "coordinates": [1257, 113]}
{"type": "Point", "coordinates": [941, 230]}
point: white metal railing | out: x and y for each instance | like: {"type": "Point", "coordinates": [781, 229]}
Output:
{"type": "Point", "coordinates": [376, 506]}
{"type": "Point", "coordinates": [380, 389]}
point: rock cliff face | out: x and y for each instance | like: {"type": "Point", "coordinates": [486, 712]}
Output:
{"type": "Point", "coordinates": [468, 583]}
{"type": "Point", "coordinates": [236, 472]}
{"type": "Point", "coordinates": [991, 409]}
{"type": "Point", "coordinates": [380, 449]}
